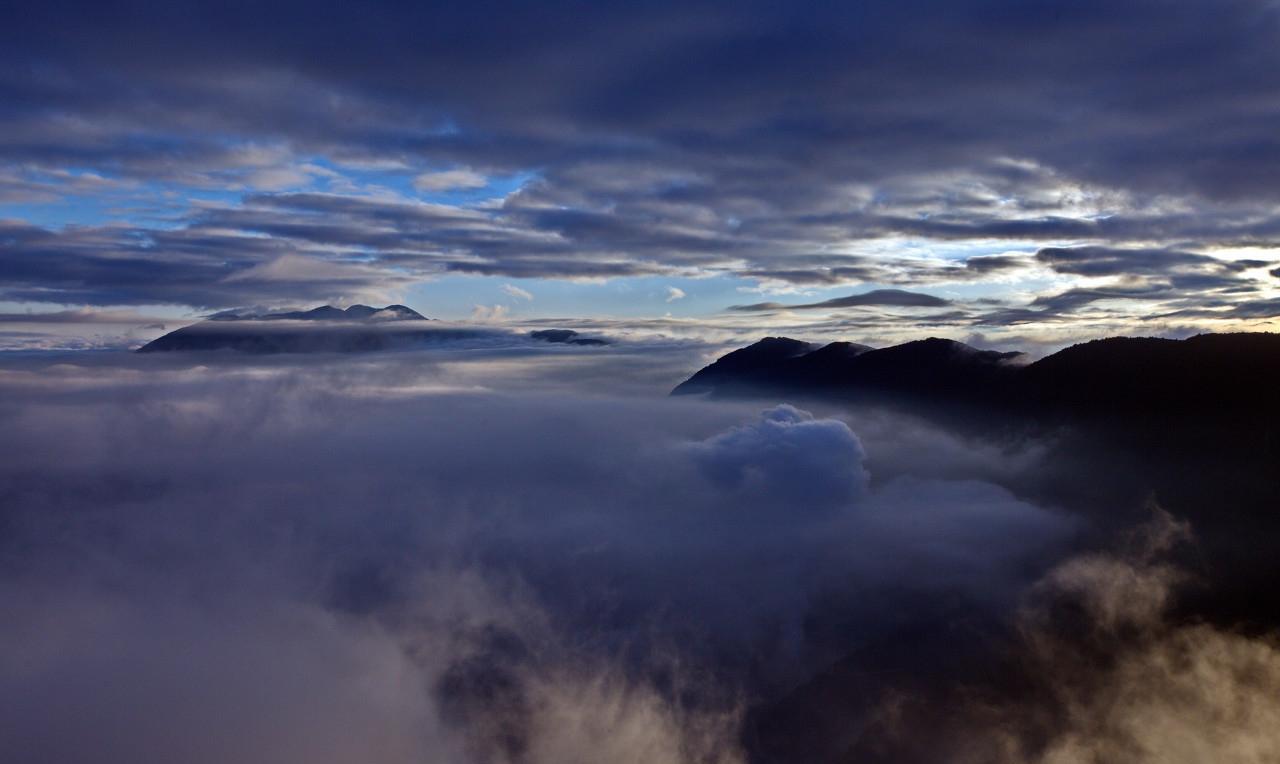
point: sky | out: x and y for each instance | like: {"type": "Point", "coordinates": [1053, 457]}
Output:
{"type": "Point", "coordinates": [492, 547]}
{"type": "Point", "coordinates": [1041, 172]}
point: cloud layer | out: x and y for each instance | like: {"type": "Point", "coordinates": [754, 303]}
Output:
{"type": "Point", "coordinates": [888, 144]}
{"type": "Point", "coordinates": [457, 576]}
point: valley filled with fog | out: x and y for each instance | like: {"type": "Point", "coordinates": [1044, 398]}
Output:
{"type": "Point", "coordinates": [516, 553]}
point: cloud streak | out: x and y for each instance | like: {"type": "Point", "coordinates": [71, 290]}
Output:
{"type": "Point", "coordinates": [896, 298]}
{"type": "Point", "coordinates": [516, 292]}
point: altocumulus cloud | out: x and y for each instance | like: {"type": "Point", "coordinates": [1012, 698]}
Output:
{"type": "Point", "coordinates": [798, 145]}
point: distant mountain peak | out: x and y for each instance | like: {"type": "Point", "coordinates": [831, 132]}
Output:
{"type": "Point", "coordinates": [565, 337]}
{"type": "Point", "coordinates": [740, 366]}
{"type": "Point", "coordinates": [329, 313]}
{"type": "Point", "coordinates": [389, 313]}
{"type": "Point", "coordinates": [323, 329]}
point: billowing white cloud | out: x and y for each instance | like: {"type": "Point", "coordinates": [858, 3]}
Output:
{"type": "Point", "coordinates": [489, 313]}
{"type": "Point", "coordinates": [813, 464]}
{"type": "Point", "coordinates": [675, 293]}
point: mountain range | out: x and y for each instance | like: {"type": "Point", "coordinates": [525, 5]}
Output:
{"type": "Point", "coordinates": [359, 328]}
{"type": "Point", "coordinates": [1208, 374]}
{"type": "Point", "coordinates": [1189, 425]}
{"type": "Point", "coordinates": [329, 313]}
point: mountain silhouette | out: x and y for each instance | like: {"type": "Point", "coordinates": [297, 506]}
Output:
{"type": "Point", "coordinates": [1206, 375]}
{"type": "Point", "coordinates": [359, 328]}
{"type": "Point", "coordinates": [931, 368]}
{"type": "Point", "coordinates": [330, 313]}
{"type": "Point", "coordinates": [1192, 425]}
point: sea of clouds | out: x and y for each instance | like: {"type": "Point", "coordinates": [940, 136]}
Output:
{"type": "Point", "coordinates": [538, 557]}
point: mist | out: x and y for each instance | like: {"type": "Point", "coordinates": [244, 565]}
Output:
{"type": "Point", "coordinates": [403, 569]}
{"type": "Point", "coordinates": [214, 558]}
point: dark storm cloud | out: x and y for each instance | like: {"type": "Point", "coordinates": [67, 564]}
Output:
{"type": "Point", "coordinates": [299, 247]}
{"type": "Point", "coordinates": [1068, 304]}
{"type": "Point", "coordinates": [1186, 283]}
{"type": "Point", "coordinates": [1248, 309]}
{"type": "Point", "coordinates": [822, 270]}
{"type": "Point", "coordinates": [989, 264]}
{"type": "Point", "coordinates": [1065, 302]}
{"type": "Point", "coordinates": [516, 239]}
{"type": "Point", "coordinates": [1256, 309]}
{"type": "Point", "coordinates": [1179, 283]}
{"type": "Point", "coordinates": [820, 275]}
{"type": "Point", "coordinates": [79, 317]}
{"type": "Point", "coordinates": [1105, 261]}
{"type": "Point", "coordinates": [914, 85]}
{"type": "Point", "coordinates": [1126, 221]}
{"type": "Point", "coordinates": [897, 298]}
{"type": "Point", "coordinates": [113, 265]}
{"type": "Point", "coordinates": [704, 137]}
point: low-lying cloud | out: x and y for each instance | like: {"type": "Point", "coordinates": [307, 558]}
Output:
{"type": "Point", "coordinates": [274, 565]}
{"type": "Point", "coordinates": [1104, 668]}
{"type": "Point", "coordinates": [460, 556]}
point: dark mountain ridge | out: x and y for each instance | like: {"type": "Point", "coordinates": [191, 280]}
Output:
{"type": "Point", "coordinates": [1113, 426]}
{"type": "Point", "coordinates": [932, 370]}
{"type": "Point", "coordinates": [1117, 376]}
